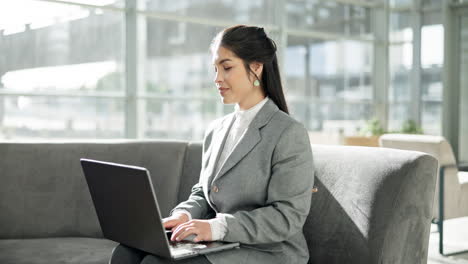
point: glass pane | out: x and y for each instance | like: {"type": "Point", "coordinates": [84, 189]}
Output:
{"type": "Point", "coordinates": [398, 114]}
{"type": "Point", "coordinates": [179, 65]}
{"type": "Point", "coordinates": [23, 117]}
{"type": "Point", "coordinates": [432, 12]}
{"type": "Point", "coordinates": [432, 4]}
{"type": "Point", "coordinates": [432, 49]}
{"type": "Point", "coordinates": [432, 46]}
{"type": "Point", "coordinates": [165, 117]}
{"type": "Point", "coordinates": [400, 64]}
{"type": "Point", "coordinates": [399, 96]}
{"type": "Point", "coordinates": [400, 27]}
{"type": "Point", "coordinates": [400, 60]}
{"type": "Point", "coordinates": [113, 3]}
{"type": "Point", "coordinates": [178, 59]}
{"type": "Point", "coordinates": [400, 3]}
{"type": "Point", "coordinates": [431, 84]}
{"type": "Point", "coordinates": [334, 118]}
{"type": "Point", "coordinates": [319, 72]}
{"type": "Point", "coordinates": [62, 48]}
{"type": "Point", "coordinates": [238, 11]}
{"type": "Point", "coordinates": [463, 139]}
{"type": "Point", "coordinates": [328, 16]}
{"type": "Point", "coordinates": [433, 17]}
{"type": "Point", "coordinates": [431, 117]}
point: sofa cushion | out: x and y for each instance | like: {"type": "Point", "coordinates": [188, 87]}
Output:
{"type": "Point", "coordinates": [66, 250]}
{"type": "Point", "coordinates": [44, 192]}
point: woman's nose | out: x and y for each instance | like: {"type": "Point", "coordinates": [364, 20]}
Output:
{"type": "Point", "coordinates": [218, 78]}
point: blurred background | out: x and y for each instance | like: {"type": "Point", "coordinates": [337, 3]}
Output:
{"type": "Point", "coordinates": [92, 69]}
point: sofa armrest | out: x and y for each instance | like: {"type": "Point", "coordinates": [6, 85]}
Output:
{"type": "Point", "coordinates": [408, 230]}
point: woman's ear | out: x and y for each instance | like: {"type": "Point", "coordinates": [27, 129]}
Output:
{"type": "Point", "coordinates": [257, 68]}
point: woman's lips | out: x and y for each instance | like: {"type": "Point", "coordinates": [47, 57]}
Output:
{"type": "Point", "coordinates": [222, 90]}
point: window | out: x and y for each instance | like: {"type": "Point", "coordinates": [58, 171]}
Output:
{"type": "Point", "coordinates": [61, 72]}
{"type": "Point", "coordinates": [65, 72]}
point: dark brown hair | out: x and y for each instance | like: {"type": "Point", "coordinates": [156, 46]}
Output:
{"type": "Point", "coordinates": [251, 44]}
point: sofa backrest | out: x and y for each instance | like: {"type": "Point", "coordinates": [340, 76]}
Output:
{"type": "Point", "coordinates": [191, 170]}
{"type": "Point", "coordinates": [43, 192]}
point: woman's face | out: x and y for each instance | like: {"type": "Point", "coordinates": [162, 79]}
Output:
{"type": "Point", "coordinates": [232, 79]}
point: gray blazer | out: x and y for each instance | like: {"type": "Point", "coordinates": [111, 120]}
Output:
{"type": "Point", "coordinates": [264, 187]}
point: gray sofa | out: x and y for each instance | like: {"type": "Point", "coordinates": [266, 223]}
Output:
{"type": "Point", "coordinates": [373, 205]}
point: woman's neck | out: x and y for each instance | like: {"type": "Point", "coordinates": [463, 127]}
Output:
{"type": "Point", "coordinates": [250, 102]}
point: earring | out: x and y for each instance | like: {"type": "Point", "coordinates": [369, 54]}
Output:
{"type": "Point", "coordinates": [256, 83]}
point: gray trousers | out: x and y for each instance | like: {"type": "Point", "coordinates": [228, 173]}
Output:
{"type": "Point", "coordinates": [127, 255]}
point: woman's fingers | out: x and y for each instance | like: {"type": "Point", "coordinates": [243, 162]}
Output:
{"type": "Point", "coordinates": [174, 221]}
{"type": "Point", "coordinates": [180, 229]}
{"type": "Point", "coordinates": [183, 233]}
{"type": "Point", "coordinates": [200, 228]}
{"type": "Point", "coordinates": [170, 223]}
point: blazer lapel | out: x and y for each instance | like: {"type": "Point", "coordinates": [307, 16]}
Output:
{"type": "Point", "coordinates": [219, 139]}
{"type": "Point", "coordinates": [251, 137]}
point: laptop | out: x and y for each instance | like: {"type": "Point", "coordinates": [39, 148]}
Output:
{"type": "Point", "coordinates": [128, 211]}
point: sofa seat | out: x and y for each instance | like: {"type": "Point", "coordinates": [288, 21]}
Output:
{"type": "Point", "coordinates": [65, 250]}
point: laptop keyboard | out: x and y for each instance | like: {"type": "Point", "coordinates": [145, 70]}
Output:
{"type": "Point", "coordinates": [181, 247]}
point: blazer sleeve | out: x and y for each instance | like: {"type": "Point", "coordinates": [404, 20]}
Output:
{"type": "Point", "coordinates": [196, 204]}
{"type": "Point", "coordinates": [289, 194]}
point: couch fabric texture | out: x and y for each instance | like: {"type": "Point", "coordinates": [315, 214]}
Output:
{"type": "Point", "coordinates": [373, 205]}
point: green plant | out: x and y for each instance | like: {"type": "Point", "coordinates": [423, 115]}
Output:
{"type": "Point", "coordinates": [372, 128]}
{"type": "Point", "coordinates": [410, 127]}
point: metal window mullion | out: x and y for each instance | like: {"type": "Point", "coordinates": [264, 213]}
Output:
{"type": "Point", "coordinates": [374, 4]}
{"type": "Point", "coordinates": [380, 81]}
{"type": "Point", "coordinates": [416, 105]}
{"type": "Point", "coordinates": [135, 41]}
{"type": "Point", "coordinates": [451, 81]}
{"type": "Point", "coordinates": [89, 6]}
{"type": "Point", "coordinates": [106, 95]}
{"type": "Point", "coordinates": [308, 85]}
{"type": "Point", "coordinates": [327, 35]}
{"type": "Point", "coordinates": [282, 26]}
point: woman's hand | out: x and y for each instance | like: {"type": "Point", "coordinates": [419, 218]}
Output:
{"type": "Point", "coordinates": [201, 228]}
{"type": "Point", "coordinates": [174, 221]}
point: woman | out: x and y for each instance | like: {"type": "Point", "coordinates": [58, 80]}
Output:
{"type": "Point", "coordinates": [257, 171]}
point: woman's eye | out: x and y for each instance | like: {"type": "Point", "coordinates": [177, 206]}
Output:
{"type": "Point", "coordinates": [227, 68]}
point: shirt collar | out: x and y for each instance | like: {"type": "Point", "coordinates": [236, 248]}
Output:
{"type": "Point", "coordinates": [251, 112]}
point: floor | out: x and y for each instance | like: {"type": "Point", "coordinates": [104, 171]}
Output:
{"type": "Point", "coordinates": [455, 239]}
